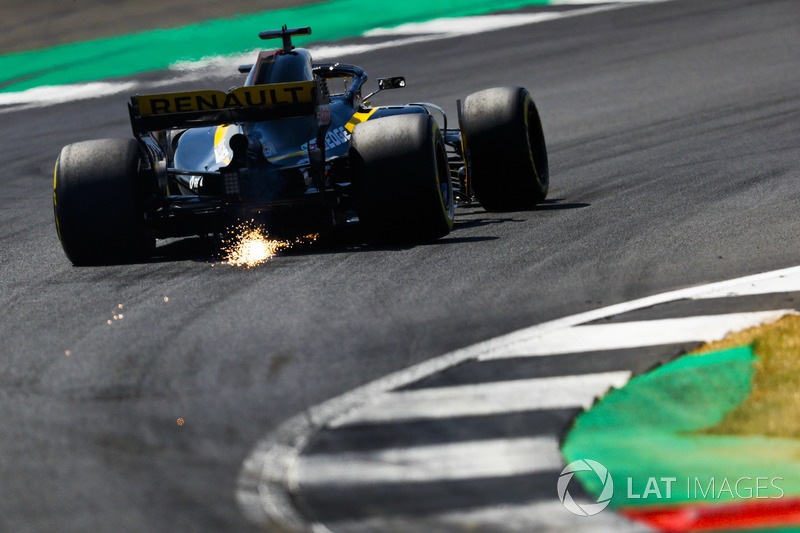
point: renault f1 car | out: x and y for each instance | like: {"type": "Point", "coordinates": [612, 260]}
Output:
{"type": "Point", "coordinates": [298, 149]}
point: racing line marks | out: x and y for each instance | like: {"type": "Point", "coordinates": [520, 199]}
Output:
{"type": "Point", "coordinates": [470, 439]}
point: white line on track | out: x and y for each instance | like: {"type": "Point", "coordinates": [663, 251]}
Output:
{"type": "Point", "coordinates": [547, 515]}
{"type": "Point", "coordinates": [785, 282]}
{"type": "Point", "coordinates": [59, 94]}
{"type": "Point", "coordinates": [501, 397]}
{"type": "Point", "coordinates": [442, 462]}
{"type": "Point", "coordinates": [466, 25]}
{"type": "Point", "coordinates": [636, 334]}
{"type": "Point", "coordinates": [452, 27]}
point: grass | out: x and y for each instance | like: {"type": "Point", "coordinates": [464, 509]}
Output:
{"type": "Point", "coordinates": [773, 407]}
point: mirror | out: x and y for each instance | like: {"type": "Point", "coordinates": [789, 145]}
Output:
{"type": "Point", "coordinates": [397, 82]}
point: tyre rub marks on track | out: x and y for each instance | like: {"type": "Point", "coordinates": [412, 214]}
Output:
{"type": "Point", "coordinates": [361, 460]}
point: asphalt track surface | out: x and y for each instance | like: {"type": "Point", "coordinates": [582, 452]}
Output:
{"type": "Point", "coordinates": [674, 138]}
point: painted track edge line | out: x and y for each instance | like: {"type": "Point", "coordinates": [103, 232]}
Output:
{"type": "Point", "coordinates": [268, 490]}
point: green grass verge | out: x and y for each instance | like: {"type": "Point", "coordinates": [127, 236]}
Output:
{"type": "Point", "coordinates": [773, 405]}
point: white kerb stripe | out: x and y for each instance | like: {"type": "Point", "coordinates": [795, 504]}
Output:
{"type": "Point", "coordinates": [789, 282]}
{"type": "Point", "coordinates": [581, 2]}
{"type": "Point", "coordinates": [464, 25]}
{"type": "Point", "coordinates": [546, 515]}
{"type": "Point", "coordinates": [624, 335]}
{"type": "Point", "coordinates": [485, 399]}
{"type": "Point", "coordinates": [440, 462]}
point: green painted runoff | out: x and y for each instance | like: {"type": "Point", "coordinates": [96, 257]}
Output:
{"type": "Point", "coordinates": [158, 49]}
{"type": "Point", "coordinates": [650, 432]}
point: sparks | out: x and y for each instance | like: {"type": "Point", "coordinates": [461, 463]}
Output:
{"type": "Point", "coordinates": [250, 245]}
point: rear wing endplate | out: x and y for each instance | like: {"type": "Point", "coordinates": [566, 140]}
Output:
{"type": "Point", "coordinates": [255, 103]}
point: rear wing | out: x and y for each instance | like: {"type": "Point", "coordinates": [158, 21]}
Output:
{"type": "Point", "coordinates": [255, 103]}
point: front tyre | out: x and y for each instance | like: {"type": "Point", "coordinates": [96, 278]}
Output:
{"type": "Point", "coordinates": [403, 180]}
{"type": "Point", "coordinates": [506, 153]}
{"type": "Point", "coordinates": [98, 203]}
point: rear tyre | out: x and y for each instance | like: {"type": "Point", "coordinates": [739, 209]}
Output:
{"type": "Point", "coordinates": [403, 179]}
{"type": "Point", "coordinates": [98, 203]}
{"type": "Point", "coordinates": [505, 149]}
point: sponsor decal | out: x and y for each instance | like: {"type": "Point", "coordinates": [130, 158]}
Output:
{"type": "Point", "coordinates": [333, 138]}
{"type": "Point", "coordinates": [242, 97]}
{"type": "Point", "coordinates": [223, 153]}
{"type": "Point", "coordinates": [268, 149]}
{"type": "Point", "coordinates": [324, 115]}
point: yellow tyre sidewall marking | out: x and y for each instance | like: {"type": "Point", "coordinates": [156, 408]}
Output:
{"type": "Point", "coordinates": [55, 200]}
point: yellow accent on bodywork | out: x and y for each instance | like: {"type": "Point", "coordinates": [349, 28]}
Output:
{"type": "Point", "coordinates": [287, 156]}
{"type": "Point", "coordinates": [219, 139]}
{"type": "Point", "coordinates": [219, 135]}
{"type": "Point", "coordinates": [358, 118]}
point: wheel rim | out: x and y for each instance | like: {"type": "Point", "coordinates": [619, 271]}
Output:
{"type": "Point", "coordinates": [443, 177]}
{"type": "Point", "coordinates": [536, 144]}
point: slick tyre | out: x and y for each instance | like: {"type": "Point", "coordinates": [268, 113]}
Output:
{"type": "Point", "coordinates": [505, 149]}
{"type": "Point", "coordinates": [402, 178]}
{"type": "Point", "coordinates": [98, 203]}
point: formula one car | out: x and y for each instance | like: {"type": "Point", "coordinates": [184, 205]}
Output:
{"type": "Point", "coordinates": [297, 149]}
